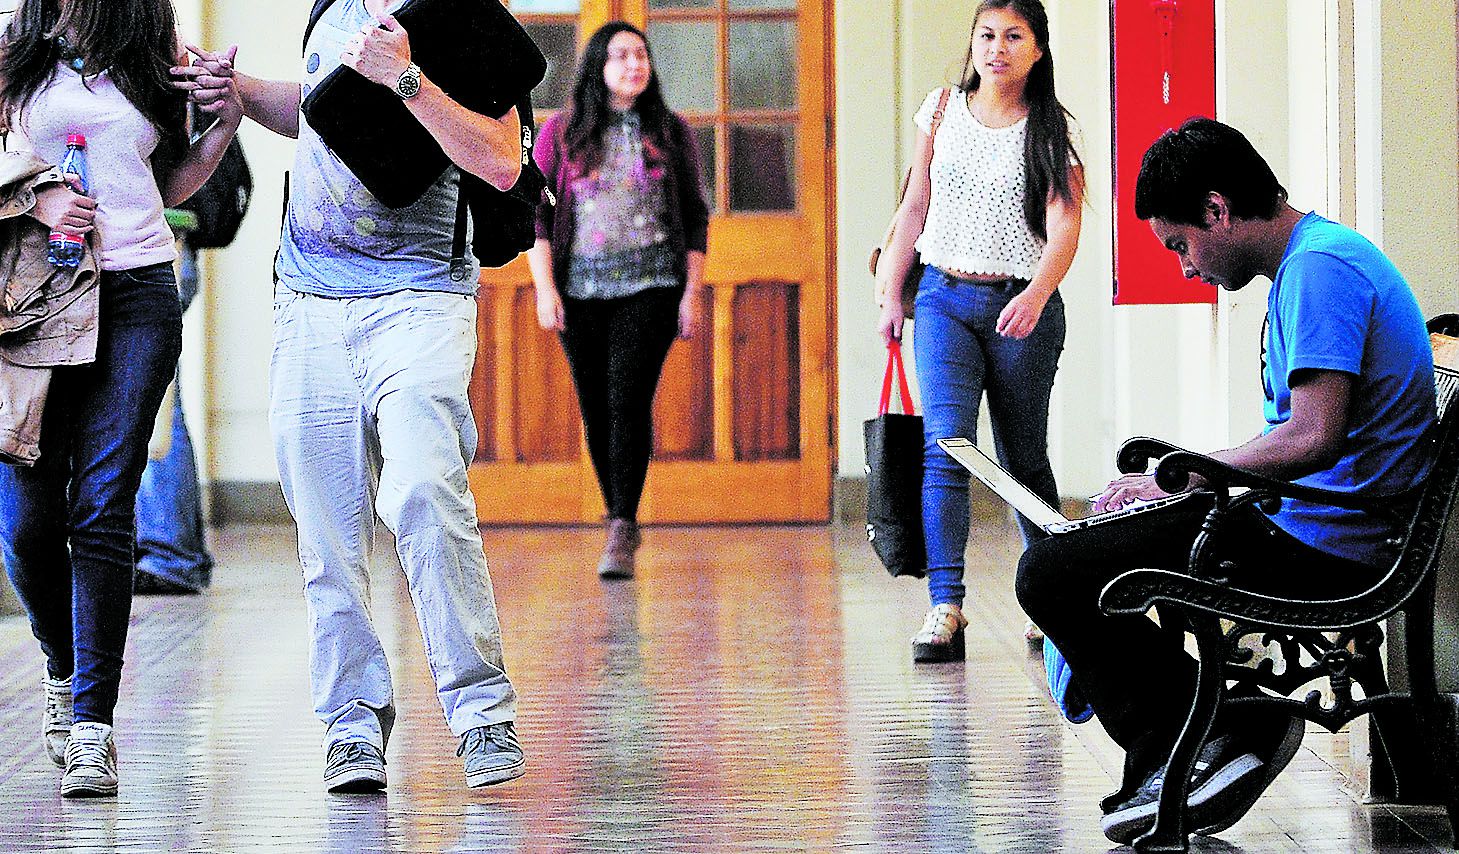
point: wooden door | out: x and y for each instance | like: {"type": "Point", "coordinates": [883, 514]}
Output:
{"type": "Point", "coordinates": [744, 415]}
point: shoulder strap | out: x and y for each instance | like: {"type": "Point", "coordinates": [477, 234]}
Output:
{"type": "Point", "coordinates": [320, 6]}
{"type": "Point", "coordinates": [940, 112]}
{"type": "Point", "coordinates": [458, 236]}
{"type": "Point", "coordinates": [937, 117]}
{"type": "Point", "coordinates": [463, 192]}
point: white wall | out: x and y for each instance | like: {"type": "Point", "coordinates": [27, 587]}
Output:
{"type": "Point", "coordinates": [1406, 117]}
{"type": "Point", "coordinates": [238, 299]}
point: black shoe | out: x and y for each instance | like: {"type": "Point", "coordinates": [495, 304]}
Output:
{"type": "Point", "coordinates": [145, 584]}
{"type": "Point", "coordinates": [1228, 809]}
{"type": "Point", "coordinates": [1222, 765]}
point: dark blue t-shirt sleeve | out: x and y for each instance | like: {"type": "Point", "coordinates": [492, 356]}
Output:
{"type": "Point", "coordinates": [1326, 309]}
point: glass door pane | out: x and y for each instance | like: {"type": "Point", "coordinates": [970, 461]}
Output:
{"type": "Point", "coordinates": [685, 54]}
{"type": "Point", "coordinates": [559, 44]}
{"type": "Point", "coordinates": [553, 24]}
{"type": "Point", "coordinates": [522, 8]}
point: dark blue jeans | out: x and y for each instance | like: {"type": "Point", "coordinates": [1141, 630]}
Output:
{"type": "Point", "coordinates": [960, 357]}
{"type": "Point", "coordinates": [170, 540]}
{"type": "Point", "coordinates": [67, 525]}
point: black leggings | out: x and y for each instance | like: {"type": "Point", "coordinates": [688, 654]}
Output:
{"type": "Point", "coordinates": [616, 349]}
{"type": "Point", "coordinates": [1139, 679]}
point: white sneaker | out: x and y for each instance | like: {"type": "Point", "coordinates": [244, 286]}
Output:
{"type": "Point", "coordinates": [91, 762]}
{"type": "Point", "coordinates": [56, 725]}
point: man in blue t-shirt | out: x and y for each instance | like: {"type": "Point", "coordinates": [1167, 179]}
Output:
{"type": "Point", "coordinates": [374, 341]}
{"type": "Point", "coordinates": [1350, 406]}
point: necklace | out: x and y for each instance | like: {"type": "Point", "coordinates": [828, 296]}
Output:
{"type": "Point", "coordinates": [980, 114]}
{"type": "Point", "coordinates": [70, 55]}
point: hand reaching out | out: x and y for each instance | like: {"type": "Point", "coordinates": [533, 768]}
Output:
{"type": "Point", "coordinates": [210, 84]}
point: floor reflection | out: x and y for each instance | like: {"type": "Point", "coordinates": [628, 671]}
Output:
{"type": "Point", "coordinates": [751, 690]}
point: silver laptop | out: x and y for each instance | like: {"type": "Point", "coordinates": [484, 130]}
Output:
{"type": "Point", "coordinates": [1023, 499]}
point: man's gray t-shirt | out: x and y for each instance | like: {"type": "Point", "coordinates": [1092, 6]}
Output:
{"type": "Point", "coordinates": [338, 240]}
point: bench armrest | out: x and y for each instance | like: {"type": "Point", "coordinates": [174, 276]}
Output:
{"type": "Point", "coordinates": [1175, 468]}
{"type": "Point", "coordinates": [1136, 454]}
{"type": "Point", "coordinates": [1138, 590]}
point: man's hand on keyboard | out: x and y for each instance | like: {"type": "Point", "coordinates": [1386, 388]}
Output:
{"type": "Point", "coordinates": [1127, 490]}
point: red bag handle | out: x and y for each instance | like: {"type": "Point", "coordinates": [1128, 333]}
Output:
{"type": "Point", "coordinates": [894, 360]}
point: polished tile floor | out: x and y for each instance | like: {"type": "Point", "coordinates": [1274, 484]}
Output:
{"type": "Point", "coordinates": [751, 690]}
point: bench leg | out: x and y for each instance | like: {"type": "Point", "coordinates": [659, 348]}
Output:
{"type": "Point", "coordinates": [1170, 832]}
{"type": "Point", "coordinates": [1442, 721]}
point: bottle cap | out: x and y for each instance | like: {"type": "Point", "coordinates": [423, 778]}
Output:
{"type": "Point", "coordinates": [67, 238]}
{"type": "Point", "coordinates": [76, 139]}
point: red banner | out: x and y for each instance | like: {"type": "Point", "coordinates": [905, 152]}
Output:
{"type": "Point", "coordinates": [1164, 72]}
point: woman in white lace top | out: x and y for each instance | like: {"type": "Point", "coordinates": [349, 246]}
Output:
{"type": "Point", "coordinates": [993, 208]}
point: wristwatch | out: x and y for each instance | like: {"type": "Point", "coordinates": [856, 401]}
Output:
{"type": "Point", "coordinates": [408, 86]}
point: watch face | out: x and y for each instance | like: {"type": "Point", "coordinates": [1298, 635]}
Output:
{"type": "Point", "coordinates": [409, 83]}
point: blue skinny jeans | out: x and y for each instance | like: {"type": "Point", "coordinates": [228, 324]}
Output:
{"type": "Point", "coordinates": [67, 524]}
{"type": "Point", "coordinates": [960, 357]}
{"type": "Point", "coordinates": [170, 541]}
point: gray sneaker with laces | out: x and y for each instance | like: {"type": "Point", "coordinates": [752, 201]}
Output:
{"type": "Point", "coordinates": [491, 755]}
{"type": "Point", "coordinates": [353, 767]}
{"type": "Point", "coordinates": [91, 762]}
{"type": "Point", "coordinates": [56, 725]}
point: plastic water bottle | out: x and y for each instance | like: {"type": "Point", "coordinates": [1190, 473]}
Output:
{"type": "Point", "coordinates": [66, 249]}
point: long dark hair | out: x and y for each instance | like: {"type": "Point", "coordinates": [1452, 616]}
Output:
{"type": "Point", "coordinates": [1047, 148]}
{"type": "Point", "coordinates": [135, 41]}
{"type": "Point", "coordinates": [590, 109]}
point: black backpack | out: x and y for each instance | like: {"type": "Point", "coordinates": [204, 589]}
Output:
{"type": "Point", "coordinates": [505, 220]}
{"type": "Point", "coordinates": [221, 201]}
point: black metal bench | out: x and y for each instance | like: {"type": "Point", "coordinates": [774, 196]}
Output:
{"type": "Point", "coordinates": [1333, 640]}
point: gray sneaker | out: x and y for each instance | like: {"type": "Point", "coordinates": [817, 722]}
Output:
{"type": "Point", "coordinates": [91, 762]}
{"type": "Point", "coordinates": [56, 725]}
{"type": "Point", "coordinates": [353, 767]}
{"type": "Point", "coordinates": [492, 755]}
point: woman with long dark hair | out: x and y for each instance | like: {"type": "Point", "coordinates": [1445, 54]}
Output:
{"type": "Point", "coordinates": [101, 69]}
{"type": "Point", "coordinates": [993, 206]}
{"type": "Point", "coordinates": [618, 261]}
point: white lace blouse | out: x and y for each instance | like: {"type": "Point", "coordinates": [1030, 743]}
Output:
{"type": "Point", "coordinates": [975, 219]}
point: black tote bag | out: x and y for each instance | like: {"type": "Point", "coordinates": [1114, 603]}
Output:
{"type": "Point", "coordinates": [894, 477]}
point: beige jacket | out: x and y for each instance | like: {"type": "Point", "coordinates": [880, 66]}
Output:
{"type": "Point", "coordinates": [48, 317]}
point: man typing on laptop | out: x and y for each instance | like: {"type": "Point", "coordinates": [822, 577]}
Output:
{"type": "Point", "coordinates": [1348, 377]}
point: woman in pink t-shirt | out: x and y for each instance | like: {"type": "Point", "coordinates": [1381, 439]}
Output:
{"type": "Point", "coordinates": [101, 69]}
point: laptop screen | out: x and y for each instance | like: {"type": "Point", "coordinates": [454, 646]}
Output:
{"type": "Point", "coordinates": [995, 478]}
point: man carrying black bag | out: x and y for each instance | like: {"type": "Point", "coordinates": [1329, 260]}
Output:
{"type": "Point", "coordinates": [374, 341]}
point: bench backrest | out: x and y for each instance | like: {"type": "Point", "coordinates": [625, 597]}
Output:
{"type": "Point", "coordinates": [1430, 533]}
{"type": "Point", "coordinates": [1445, 335]}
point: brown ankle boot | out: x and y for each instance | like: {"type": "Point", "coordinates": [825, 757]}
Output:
{"type": "Point", "coordinates": [623, 540]}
